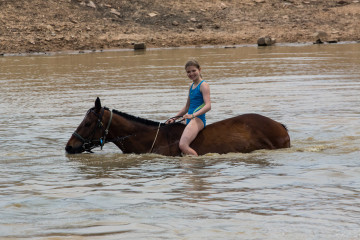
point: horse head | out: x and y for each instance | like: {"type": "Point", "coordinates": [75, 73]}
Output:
{"type": "Point", "coordinates": [90, 133]}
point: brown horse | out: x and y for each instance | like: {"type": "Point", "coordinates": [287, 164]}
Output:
{"type": "Point", "coordinates": [244, 133]}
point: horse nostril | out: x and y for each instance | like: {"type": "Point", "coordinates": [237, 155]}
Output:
{"type": "Point", "coordinates": [68, 149]}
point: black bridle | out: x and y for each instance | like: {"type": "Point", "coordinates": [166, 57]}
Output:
{"type": "Point", "coordinates": [90, 143]}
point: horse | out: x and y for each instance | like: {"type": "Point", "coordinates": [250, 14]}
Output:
{"type": "Point", "coordinates": [243, 134]}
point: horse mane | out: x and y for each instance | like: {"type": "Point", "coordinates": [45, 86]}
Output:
{"type": "Point", "coordinates": [285, 127]}
{"type": "Point", "coordinates": [141, 120]}
{"type": "Point", "coordinates": [134, 118]}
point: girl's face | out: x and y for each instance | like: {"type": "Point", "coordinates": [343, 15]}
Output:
{"type": "Point", "coordinates": [193, 73]}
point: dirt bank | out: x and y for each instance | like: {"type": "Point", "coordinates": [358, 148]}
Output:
{"type": "Point", "coordinates": [58, 25]}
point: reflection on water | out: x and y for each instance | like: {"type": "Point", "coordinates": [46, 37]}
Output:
{"type": "Point", "coordinates": [309, 191]}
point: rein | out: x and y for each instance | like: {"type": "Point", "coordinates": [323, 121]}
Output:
{"type": "Point", "coordinates": [158, 129]}
{"type": "Point", "coordinates": [120, 139]}
{"type": "Point", "coordinates": [157, 132]}
{"type": "Point", "coordinates": [90, 143]}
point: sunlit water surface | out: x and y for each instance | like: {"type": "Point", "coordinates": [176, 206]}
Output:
{"type": "Point", "coordinates": [310, 191]}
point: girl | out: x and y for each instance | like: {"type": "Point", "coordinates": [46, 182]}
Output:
{"type": "Point", "coordinates": [198, 103]}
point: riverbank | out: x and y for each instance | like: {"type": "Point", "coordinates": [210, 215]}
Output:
{"type": "Point", "coordinates": [78, 25]}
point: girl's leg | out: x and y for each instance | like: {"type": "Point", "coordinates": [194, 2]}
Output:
{"type": "Point", "coordinates": [189, 134]}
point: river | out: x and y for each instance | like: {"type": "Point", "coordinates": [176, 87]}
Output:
{"type": "Point", "coordinates": [309, 191]}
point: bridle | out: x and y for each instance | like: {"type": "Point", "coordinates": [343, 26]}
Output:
{"type": "Point", "coordinates": [90, 143]}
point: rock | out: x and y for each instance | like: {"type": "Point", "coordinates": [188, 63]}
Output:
{"type": "Point", "coordinates": [175, 23]}
{"type": "Point", "coordinates": [193, 19]}
{"type": "Point", "coordinates": [318, 41]}
{"type": "Point", "coordinates": [266, 41]}
{"type": "Point", "coordinates": [73, 21]}
{"type": "Point", "coordinates": [192, 29]}
{"type": "Point", "coordinates": [152, 14]}
{"type": "Point", "coordinates": [91, 4]}
{"type": "Point", "coordinates": [114, 11]}
{"type": "Point", "coordinates": [223, 6]}
{"type": "Point", "coordinates": [261, 41]}
{"type": "Point", "coordinates": [139, 46]}
{"type": "Point", "coordinates": [320, 37]}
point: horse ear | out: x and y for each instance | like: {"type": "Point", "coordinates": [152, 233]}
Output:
{"type": "Point", "coordinates": [97, 104]}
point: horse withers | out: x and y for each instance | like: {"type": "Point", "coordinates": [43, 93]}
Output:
{"type": "Point", "coordinates": [244, 133]}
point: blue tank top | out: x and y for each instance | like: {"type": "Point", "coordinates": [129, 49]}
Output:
{"type": "Point", "coordinates": [196, 102]}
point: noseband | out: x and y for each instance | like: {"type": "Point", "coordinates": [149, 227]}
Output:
{"type": "Point", "coordinates": [90, 143]}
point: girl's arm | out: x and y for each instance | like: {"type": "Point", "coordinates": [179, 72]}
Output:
{"type": "Point", "coordinates": [182, 112]}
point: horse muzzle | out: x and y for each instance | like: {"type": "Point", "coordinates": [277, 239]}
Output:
{"type": "Point", "coordinates": [74, 150]}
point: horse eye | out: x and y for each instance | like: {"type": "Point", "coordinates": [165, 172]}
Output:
{"type": "Point", "coordinates": [87, 124]}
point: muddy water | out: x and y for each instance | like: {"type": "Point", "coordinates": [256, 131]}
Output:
{"type": "Point", "coordinates": [310, 191]}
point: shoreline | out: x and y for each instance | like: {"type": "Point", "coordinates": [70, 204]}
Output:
{"type": "Point", "coordinates": [229, 46]}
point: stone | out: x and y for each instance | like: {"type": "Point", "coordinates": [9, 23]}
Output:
{"type": "Point", "coordinates": [139, 46]}
{"type": "Point", "coordinates": [266, 41]}
{"type": "Point", "coordinates": [114, 11]}
{"type": "Point", "coordinates": [318, 41]}
{"type": "Point", "coordinates": [73, 21]}
{"type": "Point", "coordinates": [223, 6]}
{"type": "Point", "coordinates": [152, 14]}
{"type": "Point", "coordinates": [175, 23]}
{"type": "Point", "coordinates": [91, 4]}
{"type": "Point", "coordinates": [320, 37]}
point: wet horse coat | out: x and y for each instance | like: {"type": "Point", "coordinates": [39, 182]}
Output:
{"type": "Point", "coordinates": [244, 133]}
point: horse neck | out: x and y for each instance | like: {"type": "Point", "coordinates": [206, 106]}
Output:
{"type": "Point", "coordinates": [129, 133]}
{"type": "Point", "coordinates": [137, 136]}
{"type": "Point", "coordinates": [122, 126]}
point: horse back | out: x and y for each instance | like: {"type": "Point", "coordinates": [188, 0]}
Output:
{"type": "Point", "coordinates": [243, 133]}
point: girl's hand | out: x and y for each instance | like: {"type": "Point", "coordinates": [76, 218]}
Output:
{"type": "Point", "coordinates": [172, 120]}
{"type": "Point", "coordinates": [188, 116]}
